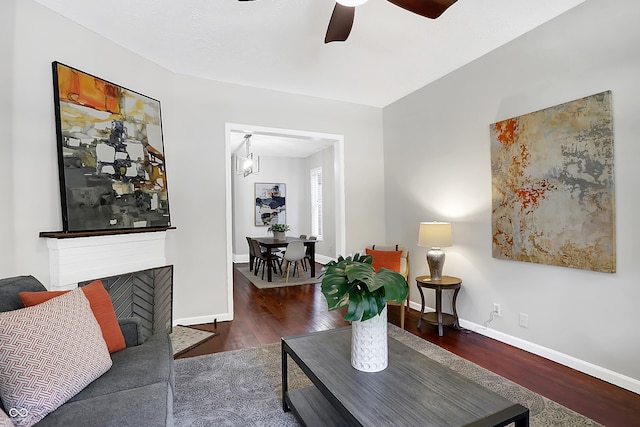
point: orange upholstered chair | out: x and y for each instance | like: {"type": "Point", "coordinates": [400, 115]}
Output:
{"type": "Point", "coordinates": [393, 257]}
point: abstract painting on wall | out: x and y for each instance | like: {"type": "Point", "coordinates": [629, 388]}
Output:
{"type": "Point", "coordinates": [270, 203]}
{"type": "Point", "coordinates": [110, 154]}
{"type": "Point", "coordinates": [553, 186]}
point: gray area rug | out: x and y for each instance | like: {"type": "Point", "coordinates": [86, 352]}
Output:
{"type": "Point", "coordinates": [278, 281]}
{"type": "Point", "coordinates": [243, 387]}
{"type": "Point", "coordinates": [184, 338]}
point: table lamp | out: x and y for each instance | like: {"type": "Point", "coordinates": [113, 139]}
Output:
{"type": "Point", "coordinates": [435, 235]}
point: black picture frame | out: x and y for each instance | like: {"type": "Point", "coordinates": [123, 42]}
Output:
{"type": "Point", "coordinates": [111, 161]}
{"type": "Point", "coordinates": [270, 203]}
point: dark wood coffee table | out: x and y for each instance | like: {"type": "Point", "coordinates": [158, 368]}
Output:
{"type": "Point", "coordinates": [413, 391]}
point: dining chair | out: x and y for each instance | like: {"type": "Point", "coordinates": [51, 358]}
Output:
{"type": "Point", "coordinates": [303, 237]}
{"type": "Point", "coordinates": [252, 254]}
{"type": "Point", "coordinates": [307, 256]}
{"type": "Point", "coordinates": [294, 255]}
{"type": "Point", "coordinates": [261, 259]}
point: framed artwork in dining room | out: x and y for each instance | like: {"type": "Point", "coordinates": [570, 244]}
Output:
{"type": "Point", "coordinates": [111, 157]}
{"type": "Point", "coordinates": [270, 203]}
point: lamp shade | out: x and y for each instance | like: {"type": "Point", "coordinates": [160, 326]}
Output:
{"type": "Point", "coordinates": [435, 234]}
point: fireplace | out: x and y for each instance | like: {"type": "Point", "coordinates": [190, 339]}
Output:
{"type": "Point", "coordinates": [146, 294]}
{"type": "Point", "coordinates": [132, 267]}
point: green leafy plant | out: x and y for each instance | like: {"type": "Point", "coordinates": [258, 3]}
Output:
{"type": "Point", "coordinates": [353, 282]}
{"type": "Point", "coordinates": [279, 227]}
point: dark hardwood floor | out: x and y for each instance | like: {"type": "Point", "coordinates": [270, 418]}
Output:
{"type": "Point", "coordinates": [262, 316]}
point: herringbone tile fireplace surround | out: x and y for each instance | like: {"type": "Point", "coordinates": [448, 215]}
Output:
{"type": "Point", "coordinates": [132, 267]}
{"type": "Point", "coordinates": [145, 294]}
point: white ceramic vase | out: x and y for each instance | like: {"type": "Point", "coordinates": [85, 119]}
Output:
{"type": "Point", "coordinates": [369, 350]}
{"type": "Point", "coordinates": [279, 235]}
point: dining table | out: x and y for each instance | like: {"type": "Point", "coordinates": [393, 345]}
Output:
{"type": "Point", "coordinates": [270, 243]}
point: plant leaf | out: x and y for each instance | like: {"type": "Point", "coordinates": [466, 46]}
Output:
{"type": "Point", "coordinates": [335, 289]}
{"type": "Point", "coordinates": [395, 286]}
{"type": "Point", "coordinates": [353, 282]}
{"type": "Point", "coordinates": [362, 272]}
{"type": "Point", "coordinates": [374, 304]}
{"type": "Point", "coordinates": [356, 306]}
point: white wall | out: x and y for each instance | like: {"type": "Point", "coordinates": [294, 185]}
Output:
{"type": "Point", "coordinates": [437, 164]}
{"type": "Point", "coordinates": [198, 115]}
{"type": "Point", "coordinates": [294, 172]}
{"type": "Point", "coordinates": [194, 114]}
{"type": "Point", "coordinates": [325, 159]}
{"type": "Point", "coordinates": [40, 37]}
{"type": "Point", "coordinates": [287, 170]}
{"type": "Point", "coordinates": [444, 173]}
{"type": "Point", "coordinates": [7, 16]}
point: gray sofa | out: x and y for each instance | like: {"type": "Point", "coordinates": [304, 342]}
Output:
{"type": "Point", "coordinates": [136, 391]}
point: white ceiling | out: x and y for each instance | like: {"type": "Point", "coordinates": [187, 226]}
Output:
{"type": "Point", "coordinates": [279, 44]}
{"type": "Point", "coordinates": [276, 144]}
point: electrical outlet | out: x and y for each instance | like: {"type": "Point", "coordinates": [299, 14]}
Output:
{"type": "Point", "coordinates": [524, 320]}
{"type": "Point", "coordinates": [496, 309]}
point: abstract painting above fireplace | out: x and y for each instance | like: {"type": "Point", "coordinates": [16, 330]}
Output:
{"type": "Point", "coordinates": [110, 154]}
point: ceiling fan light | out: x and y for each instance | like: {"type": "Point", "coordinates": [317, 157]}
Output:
{"type": "Point", "coordinates": [351, 3]}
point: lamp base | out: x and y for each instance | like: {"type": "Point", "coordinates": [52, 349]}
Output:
{"type": "Point", "coordinates": [435, 259]}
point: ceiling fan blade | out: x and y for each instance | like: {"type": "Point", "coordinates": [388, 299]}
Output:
{"type": "Point", "coordinates": [340, 23]}
{"type": "Point", "coordinates": [427, 8]}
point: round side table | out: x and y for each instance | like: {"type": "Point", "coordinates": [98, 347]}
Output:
{"type": "Point", "coordinates": [439, 318]}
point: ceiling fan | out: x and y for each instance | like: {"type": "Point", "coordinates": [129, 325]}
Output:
{"type": "Point", "coordinates": [344, 11]}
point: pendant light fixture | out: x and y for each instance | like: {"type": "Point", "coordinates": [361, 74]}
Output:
{"type": "Point", "coordinates": [249, 164]}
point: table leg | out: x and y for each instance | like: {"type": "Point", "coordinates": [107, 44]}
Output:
{"type": "Point", "coordinates": [523, 421]}
{"type": "Point", "coordinates": [312, 253]}
{"type": "Point", "coordinates": [269, 263]}
{"type": "Point", "coordinates": [439, 311]}
{"type": "Point", "coordinates": [422, 307]}
{"type": "Point", "coordinates": [456, 324]}
{"type": "Point", "coordinates": [285, 380]}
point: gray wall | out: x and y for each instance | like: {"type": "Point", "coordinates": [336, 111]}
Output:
{"type": "Point", "coordinates": [437, 164]}
{"type": "Point", "coordinates": [434, 165]}
{"type": "Point", "coordinates": [287, 170]}
{"type": "Point", "coordinates": [7, 18]}
{"type": "Point", "coordinates": [295, 173]}
{"type": "Point", "coordinates": [324, 159]}
{"type": "Point", "coordinates": [194, 112]}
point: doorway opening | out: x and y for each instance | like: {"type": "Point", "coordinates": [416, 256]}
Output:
{"type": "Point", "coordinates": [283, 154]}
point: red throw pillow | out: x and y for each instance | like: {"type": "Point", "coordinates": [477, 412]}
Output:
{"type": "Point", "coordinates": [386, 259]}
{"type": "Point", "coordinates": [101, 306]}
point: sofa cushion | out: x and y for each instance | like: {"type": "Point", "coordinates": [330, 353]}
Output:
{"type": "Point", "coordinates": [134, 367]}
{"type": "Point", "coordinates": [151, 405]}
{"type": "Point", "coordinates": [5, 421]}
{"type": "Point", "coordinates": [10, 287]}
{"type": "Point", "coordinates": [385, 259]}
{"type": "Point", "coordinates": [131, 330]}
{"type": "Point", "coordinates": [48, 353]}
{"type": "Point", "coordinates": [101, 305]}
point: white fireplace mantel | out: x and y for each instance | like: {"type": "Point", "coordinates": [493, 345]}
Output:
{"type": "Point", "coordinates": [85, 258]}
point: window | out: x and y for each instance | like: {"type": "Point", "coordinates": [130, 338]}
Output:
{"type": "Point", "coordinates": [316, 202]}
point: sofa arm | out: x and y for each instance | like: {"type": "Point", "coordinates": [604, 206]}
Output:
{"type": "Point", "coordinates": [132, 331]}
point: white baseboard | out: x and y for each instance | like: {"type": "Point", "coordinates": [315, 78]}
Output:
{"type": "Point", "coordinates": [239, 258]}
{"type": "Point", "coordinates": [223, 317]}
{"type": "Point", "coordinates": [599, 372]}
{"type": "Point", "coordinates": [323, 259]}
